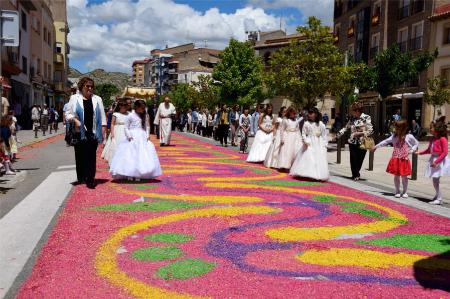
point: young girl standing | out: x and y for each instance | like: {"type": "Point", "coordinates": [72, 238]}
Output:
{"type": "Point", "coordinates": [399, 165]}
{"type": "Point", "coordinates": [311, 161]}
{"type": "Point", "coordinates": [117, 134]}
{"type": "Point", "coordinates": [439, 163]}
{"type": "Point", "coordinates": [273, 154]}
{"type": "Point", "coordinates": [291, 140]}
{"type": "Point", "coordinates": [263, 138]}
{"type": "Point", "coordinates": [136, 157]}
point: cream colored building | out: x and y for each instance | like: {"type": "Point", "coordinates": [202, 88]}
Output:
{"type": "Point", "coordinates": [61, 50]}
{"type": "Point", "coordinates": [440, 36]}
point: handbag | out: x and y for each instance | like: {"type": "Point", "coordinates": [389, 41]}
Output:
{"type": "Point", "coordinates": [367, 143]}
{"type": "Point", "coordinates": [72, 136]}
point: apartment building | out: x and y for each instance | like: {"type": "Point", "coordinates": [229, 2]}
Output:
{"type": "Point", "coordinates": [29, 71]}
{"type": "Point", "coordinates": [440, 39]}
{"type": "Point", "coordinates": [139, 75]}
{"type": "Point", "coordinates": [61, 50]}
{"type": "Point", "coordinates": [362, 28]}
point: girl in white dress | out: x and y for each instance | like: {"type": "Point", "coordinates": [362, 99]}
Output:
{"type": "Point", "coordinates": [117, 135]}
{"type": "Point", "coordinates": [263, 138]}
{"type": "Point", "coordinates": [136, 157]}
{"type": "Point", "coordinates": [272, 156]}
{"type": "Point", "coordinates": [311, 161]}
{"type": "Point", "coordinates": [291, 139]}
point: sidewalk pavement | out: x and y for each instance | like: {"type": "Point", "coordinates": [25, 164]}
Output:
{"type": "Point", "coordinates": [26, 137]}
{"type": "Point", "coordinates": [422, 188]}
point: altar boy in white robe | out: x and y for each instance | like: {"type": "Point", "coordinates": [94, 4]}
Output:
{"type": "Point", "coordinates": [163, 118]}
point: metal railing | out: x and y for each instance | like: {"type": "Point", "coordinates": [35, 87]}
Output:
{"type": "Point", "coordinates": [403, 12]}
{"type": "Point", "coordinates": [415, 43]}
{"type": "Point", "coordinates": [403, 46]}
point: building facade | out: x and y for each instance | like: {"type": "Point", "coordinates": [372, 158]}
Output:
{"type": "Point", "coordinates": [29, 70]}
{"type": "Point", "coordinates": [139, 76]}
{"type": "Point", "coordinates": [440, 39]}
{"type": "Point", "coordinates": [363, 28]}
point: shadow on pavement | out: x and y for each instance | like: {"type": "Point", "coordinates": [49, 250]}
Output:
{"type": "Point", "coordinates": [142, 181]}
{"type": "Point", "coordinates": [434, 272]}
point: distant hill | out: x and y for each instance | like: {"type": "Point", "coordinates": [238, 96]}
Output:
{"type": "Point", "coordinates": [100, 76]}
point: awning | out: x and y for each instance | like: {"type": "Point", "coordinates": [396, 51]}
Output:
{"type": "Point", "coordinates": [139, 92]}
{"type": "Point", "coordinates": [407, 95]}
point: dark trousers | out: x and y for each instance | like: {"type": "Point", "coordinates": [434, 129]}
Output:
{"type": "Point", "coordinates": [86, 160]}
{"type": "Point", "coordinates": [223, 133]}
{"type": "Point", "coordinates": [357, 156]}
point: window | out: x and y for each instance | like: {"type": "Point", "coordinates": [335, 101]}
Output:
{"type": "Point", "coordinates": [418, 6]}
{"type": "Point", "coordinates": [24, 65]}
{"type": "Point", "coordinates": [45, 34]}
{"type": "Point", "coordinates": [58, 48]}
{"type": "Point", "coordinates": [337, 31]}
{"type": "Point", "coordinates": [24, 20]}
{"type": "Point", "coordinates": [39, 27]}
{"type": "Point", "coordinates": [445, 74]}
{"type": "Point", "coordinates": [351, 26]}
{"type": "Point", "coordinates": [416, 36]}
{"type": "Point", "coordinates": [38, 68]}
{"type": "Point", "coordinates": [376, 14]}
{"type": "Point", "coordinates": [404, 8]}
{"type": "Point", "coordinates": [45, 69]}
{"type": "Point", "coordinates": [49, 39]}
{"type": "Point", "coordinates": [402, 38]}
{"type": "Point", "coordinates": [374, 45]}
{"type": "Point", "coordinates": [49, 72]}
{"type": "Point", "coordinates": [447, 35]}
{"type": "Point", "coordinates": [351, 52]}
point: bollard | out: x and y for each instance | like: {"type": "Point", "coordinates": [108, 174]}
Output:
{"type": "Point", "coordinates": [414, 167]}
{"type": "Point", "coordinates": [338, 158]}
{"type": "Point", "coordinates": [371, 158]}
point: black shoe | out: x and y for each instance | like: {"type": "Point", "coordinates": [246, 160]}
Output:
{"type": "Point", "coordinates": [90, 185]}
{"type": "Point", "coordinates": [78, 182]}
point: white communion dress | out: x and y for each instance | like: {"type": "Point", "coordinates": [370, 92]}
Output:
{"type": "Point", "coordinates": [292, 143]}
{"type": "Point", "coordinates": [273, 153]}
{"type": "Point", "coordinates": [135, 158]}
{"type": "Point", "coordinates": [119, 136]}
{"type": "Point", "coordinates": [262, 142]}
{"type": "Point", "coordinates": [311, 161]}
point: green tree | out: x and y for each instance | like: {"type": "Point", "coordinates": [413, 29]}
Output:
{"type": "Point", "coordinates": [206, 93]}
{"type": "Point", "coordinates": [437, 94]}
{"type": "Point", "coordinates": [310, 67]}
{"type": "Point", "coordinates": [106, 91]}
{"type": "Point", "coordinates": [182, 96]}
{"type": "Point", "coordinates": [240, 74]}
{"type": "Point", "coordinates": [392, 68]}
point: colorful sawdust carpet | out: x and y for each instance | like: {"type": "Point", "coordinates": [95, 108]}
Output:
{"type": "Point", "coordinates": [216, 226]}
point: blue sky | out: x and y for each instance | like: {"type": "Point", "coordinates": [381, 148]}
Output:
{"type": "Point", "coordinates": [111, 34]}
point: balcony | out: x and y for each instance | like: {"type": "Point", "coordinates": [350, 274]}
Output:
{"type": "Point", "coordinates": [351, 31]}
{"type": "Point", "coordinates": [374, 52]}
{"type": "Point", "coordinates": [415, 43]}
{"type": "Point", "coordinates": [403, 12]}
{"type": "Point", "coordinates": [58, 58]}
{"type": "Point", "coordinates": [403, 46]}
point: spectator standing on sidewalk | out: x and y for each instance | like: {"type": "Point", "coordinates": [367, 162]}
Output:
{"type": "Point", "coordinates": [36, 118]}
{"type": "Point", "coordinates": [194, 120]}
{"type": "Point", "coordinates": [51, 118]}
{"type": "Point", "coordinates": [234, 124]}
{"type": "Point", "coordinates": [360, 126]}
{"type": "Point", "coordinates": [400, 165]}
{"type": "Point", "coordinates": [5, 106]}
{"type": "Point", "coordinates": [415, 129]}
{"type": "Point", "coordinates": [439, 163]}
{"type": "Point", "coordinates": [45, 116]}
{"type": "Point", "coordinates": [86, 111]}
{"type": "Point", "coordinates": [255, 119]}
{"type": "Point", "coordinates": [223, 125]}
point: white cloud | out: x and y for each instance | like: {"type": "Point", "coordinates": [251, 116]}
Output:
{"type": "Point", "coordinates": [323, 9]}
{"type": "Point", "coordinates": [112, 34]}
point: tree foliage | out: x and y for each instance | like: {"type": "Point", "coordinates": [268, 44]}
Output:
{"type": "Point", "coordinates": [392, 68]}
{"type": "Point", "coordinates": [106, 91]}
{"type": "Point", "coordinates": [310, 67]}
{"type": "Point", "coordinates": [182, 96]}
{"type": "Point", "coordinates": [240, 74]}
{"type": "Point", "coordinates": [206, 93]}
{"type": "Point", "coordinates": [437, 94]}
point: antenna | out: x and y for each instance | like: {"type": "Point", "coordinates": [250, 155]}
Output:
{"type": "Point", "coordinates": [206, 43]}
